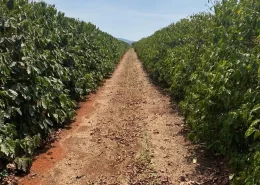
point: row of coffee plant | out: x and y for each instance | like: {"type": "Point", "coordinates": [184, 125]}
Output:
{"type": "Point", "coordinates": [48, 62]}
{"type": "Point", "coordinates": [210, 63]}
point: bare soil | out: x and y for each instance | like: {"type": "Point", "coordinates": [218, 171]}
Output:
{"type": "Point", "coordinates": [127, 133]}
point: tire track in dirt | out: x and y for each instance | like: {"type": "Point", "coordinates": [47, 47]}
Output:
{"type": "Point", "coordinates": [132, 136]}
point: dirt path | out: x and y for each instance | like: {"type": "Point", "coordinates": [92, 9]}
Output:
{"type": "Point", "coordinates": [126, 134]}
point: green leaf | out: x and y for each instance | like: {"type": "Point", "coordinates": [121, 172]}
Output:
{"type": "Point", "coordinates": [28, 69]}
{"type": "Point", "coordinates": [56, 116]}
{"type": "Point", "coordinates": [44, 104]}
{"type": "Point", "coordinates": [256, 108]}
{"type": "Point", "coordinates": [19, 111]}
{"type": "Point", "coordinates": [4, 149]}
{"type": "Point", "coordinates": [252, 128]}
{"type": "Point", "coordinates": [231, 176]}
{"type": "Point", "coordinates": [12, 94]}
{"type": "Point", "coordinates": [49, 122]}
{"type": "Point", "coordinates": [23, 163]}
{"type": "Point", "coordinates": [257, 134]}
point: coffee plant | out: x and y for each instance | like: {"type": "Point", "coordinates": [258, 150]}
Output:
{"type": "Point", "coordinates": [210, 63]}
{"type": "Point", "coordinates": [48, 62]}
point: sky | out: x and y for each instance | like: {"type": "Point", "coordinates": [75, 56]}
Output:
{"type": "Point", "coordinates": [130, 19]}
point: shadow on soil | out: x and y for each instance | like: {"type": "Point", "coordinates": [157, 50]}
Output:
{"type": "Point", "coordinates": [210, 169]}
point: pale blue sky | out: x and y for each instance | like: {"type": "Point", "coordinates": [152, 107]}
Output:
{"type": "Point", "coordinates": [130, 19]}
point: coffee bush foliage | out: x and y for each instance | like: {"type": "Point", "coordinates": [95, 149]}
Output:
{"type": "Point", "coordinates": [210, 63]}
{"type": "Point", "coordinates": [48, 62]}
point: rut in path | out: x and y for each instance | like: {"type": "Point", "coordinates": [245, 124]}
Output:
{"type": "Point", "coordinates": [131, 136]}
